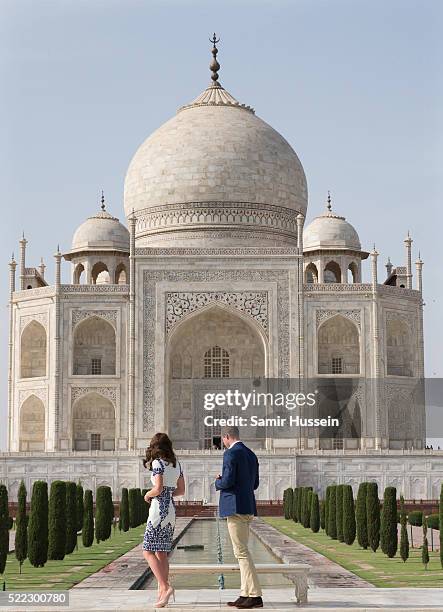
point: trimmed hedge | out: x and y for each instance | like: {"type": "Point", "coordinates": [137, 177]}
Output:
{"type": "Point", "coordinates": [80, 510]}
{"type": "Point", "coordinates": [134, 508]}
{"type": "Point", "coordinates": [322, 514]}
{"type": "Point", "coordinates": [103, 519]}
{"type": "Point", "coordinates": [38, 525]}
{"type": "Point", "coordinates": [404, 541]}
{"type": "Point", "coordinates": [295, 493]}
{"type": "Point", "coordinates": [415, 517]}
{"type": "Point", "coordinates": [361, 518]}
{"type": "Point", "coordinates": [4, 527]}
{"type": "Point", "coordinates": [88, 519]}
{"type": "Point", "coordinates": [71, 517]}
{"type": "Point", "coordinates": [332, 520]}
{"type": "Point", "coordinates": [373, 515]}
{"type": "Point", "coordinates": [425, 546]}
{"type": "Point", "coordinates": [339, 512]}
{"type": "Point", "coordinates": [388, 528]}
{"type": "Point", "coordinates": [327, 496]}
{"type": "Point", "coordinates": [21, 532]}
{"type": "Point", "coordinates": [314, 520]}
{"type": "Point", "coordinates": [433, 521]}
{"type": "Point", "coordinates": [57, 521]}
{"type": "Point", "coordinates": [289, 501]}
{"type": "Point", "coordinates": [308, 499]}
{"type": "Point", "coordinates": [348, 515]}
{"type": "Point", "coordinates": [124, 510]}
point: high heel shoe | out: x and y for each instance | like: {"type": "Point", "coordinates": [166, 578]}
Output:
{"type": "Point", "coordinates": [161, 603]}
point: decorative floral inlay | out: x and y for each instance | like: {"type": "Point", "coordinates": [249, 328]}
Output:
{"type": "Point", "coordinates": [323, 315]}
{"type": "Point", "coordinates": [41, 317]}
{"type": "Point", "coordinates": [252, 303]}
{"type": "Point", "coordinates": [109, 392]}
{"type": "Point", "coordinates": [107, 315]}
{"type": "Point", "coordinates": [41, 393]}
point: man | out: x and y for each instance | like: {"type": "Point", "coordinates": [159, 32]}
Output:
{"type": "Point", "coordinates": [237, 484]}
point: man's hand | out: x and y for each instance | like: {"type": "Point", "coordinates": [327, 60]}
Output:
{"type": "Point", "coordinates": [218, 477]}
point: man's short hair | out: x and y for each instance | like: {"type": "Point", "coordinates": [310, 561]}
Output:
{"type": "Point", "coordinates": [232, 432]}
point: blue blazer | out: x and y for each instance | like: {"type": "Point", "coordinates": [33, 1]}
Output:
{"type": "Point", "coordinates": [238, 482]}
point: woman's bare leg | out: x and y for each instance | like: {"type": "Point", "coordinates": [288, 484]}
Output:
{"type": "Point", "coordinates": [164, 562]}
{"type": "Point", "coordinates": [157, 569]}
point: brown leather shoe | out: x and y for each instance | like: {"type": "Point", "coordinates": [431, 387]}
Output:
{"type": "Point", "coordinates": [250, 602]}
{"type": "Point", "coordinates": [239, 600]}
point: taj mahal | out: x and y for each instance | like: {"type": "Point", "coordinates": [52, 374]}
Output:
{"type": "Point", "coordinates": [214, 280]}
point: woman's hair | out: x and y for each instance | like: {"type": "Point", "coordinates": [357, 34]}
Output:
{"type": "Point", "coordinates": [160, 447]}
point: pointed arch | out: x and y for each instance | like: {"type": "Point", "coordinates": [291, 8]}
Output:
{"type": "Point", "coordinates": [32, 424]}
{"type": "Point", "coordinates": [121, 276]}
{"type": "Point", "coordinates": [338, 346]}
{"type": "Point", "coordinates": [93, 423]}
{"type": "Point", "coordinates": [78, 276]}
{"type": "Point", "coordinates": [100, 274]}
{"type": "Point", "coordinates": [399, 356]}
{"type": "Point", "coordinates": [332, 273]}
{"type": "Point", "coordinates": [311, 273]}
{"type": "Point", "coordinates": [33, 345]}
{"type": "Point", "coordinates": [94, 348]}
{"type": "Point", "coordinates": [352, 272]}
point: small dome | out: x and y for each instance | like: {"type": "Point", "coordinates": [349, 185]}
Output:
{"type": "Point", "coordinates": [101, 232]}
{"type": "Point", "coordinates": [330, 231]}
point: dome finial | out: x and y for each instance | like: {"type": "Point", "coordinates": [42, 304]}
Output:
{"type": "Point", "coordinates": [329, 205]}
{"type": "Point", "coordinates": [214, 66]}
{"type": "Point", "coordinates": [103, 201]}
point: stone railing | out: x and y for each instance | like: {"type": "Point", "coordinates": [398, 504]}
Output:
{"type": "Point", "coordinates": [105, 288]}
{"type": "Point", "coordinates": [38, 292]}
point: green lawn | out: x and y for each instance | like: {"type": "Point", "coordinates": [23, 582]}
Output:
{"type": "Point", "coordinates": [376, 567]}
{"type": "Point", "coordinates": [60, 575]}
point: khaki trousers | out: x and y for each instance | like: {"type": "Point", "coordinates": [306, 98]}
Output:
{"type": "Point", "coordinates": [238, 527]}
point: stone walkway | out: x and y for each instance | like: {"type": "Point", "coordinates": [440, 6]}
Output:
{"type": "Point", "coordinates": [130, 570]}
{"type": "Point", "coordinates": [324, 573]}
{"type": "Point", "coordinates": [212, 600]}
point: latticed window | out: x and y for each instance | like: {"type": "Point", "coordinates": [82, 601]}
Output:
{"type": "Point", "coordinates": [95, 441]}
{"type": "Point", "coordinates": [337, 443]}
{"type": "Point", "coordinates": [216, 363]}
{"type": "Point", "coordinates": [96, 366]}
{"type": "Point", "coordinates": [337, 365]}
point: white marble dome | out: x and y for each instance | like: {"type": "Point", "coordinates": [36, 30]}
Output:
{"type": "Point", "coordinates": [101, 232]}
{"type": "Point", "coordinates": [215, 153]}
{"type": "Point", "coordinates": [330, 231]}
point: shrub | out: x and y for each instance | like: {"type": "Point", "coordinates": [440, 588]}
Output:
{"type": "Point", "coordinates": [289, 502]}
{"type": "Point", "coordinates": [425, 546]}
{"type": "Point", "coordinates": [348, 515]}
{"type": "Point", "coordinates": [322, 514]}
{"type": "Point", "coordinates": [415, 517]}
{"type": "Point", "coordinates": [4, 527]}
{"type": "Point", "coordinates": [145, 506]}
{"type": "Point", "coordinates": [21, 532]}
{"type": "Point", "coordinates": [440, 512]}
{"type": "Point", "coordinates": [332, 520]}
{"type": "Point", "coordinates": [295, 505]}
{"type": "Point", "coordinates": [133, 508]}
{"type": "Point", "coordinates": [307, 522]}
{"type": "Point", "coordinates": [88, 519]}
{"type": "Point", "coordinates": [79, 512]}
{"type": "Point", "coordinates": [102, 514]}
{"type": "Point", "coordinates": [432, 521]}
{"type": "Point", "coordinates": [404, 542]}
{"type": "Point", "coordinates": [327, 494]}
{"type": "Point", "coordinates": [57, 521]}
{"type": "Point", "coordinates": [71, 517]}
{"type": "Point", "coordinates": [124, 510]}
{"type": "Point", "coordinates": [388, 529]}
{"type": "Point", "coordinates": [339, 511]}
{"type": "Point", "coordinates": [360, 516]}
{"type": "Point", "coordinates": [38, 525]}
{"type": "Point", "coordinates": [285, 504]}
{"type": "Point", "coordinates": [373, 515]}
{"type": "Point", "coordinates": [314, 520]}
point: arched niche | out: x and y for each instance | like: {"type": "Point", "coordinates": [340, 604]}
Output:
{"type": "Point", "coordinates": [100, 274]}
{"type": "Point", "coordinates": [33, 351]}
{"type": "Point", "coordinates": [207, 350]}
{"type": "Point", "coordinates": [332, 273]}
{"type": "Point", "coordinates": [121, 277]}
{"type": "Point", "coordinates": [352, 272]}
{"type": "Point", "coordinates": [399, 357]}
{"type": "Point", "coordinates": [338, 346]}
{"type": "Point", "coordinates": [79, 274]}
{"type": "Point", "coordinates": [311, 273]}
{"type": "Point", "coordinates": [32, 424]}
{"type": "Point", "coordinates": [93, 423]}
{"type": "Point", "coordinates": [94, 348]}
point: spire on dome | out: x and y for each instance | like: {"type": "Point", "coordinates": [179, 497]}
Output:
{"type": "Point", "coordinates": [328, 205]}
{"type": "Point", "coordinates": [103, 202]}
{"type": "Point", "coordinates": [214, 66]}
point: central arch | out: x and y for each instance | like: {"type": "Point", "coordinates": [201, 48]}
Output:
{"type": "Point", "coordinates": [211, 350]}
{"type": "Point", "coordinates": [93, 423]}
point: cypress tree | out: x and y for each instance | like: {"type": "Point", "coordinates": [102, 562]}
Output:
{"type": "Point", "coordinates": [145, 506]}
{"type": "Point", "coordinates": [132, 496]}
{"type": "Point", "coordinates": [440, 521]}
{"type": "Point", "coordinates": [79, 512]}
{"type": "Point", "coordinates": [327, 497]}
{"type": "Point", "coordinates": [110, 506]}
{"type": "Point", "coordinates": [404, 541]}
{"type": "Point", "coordinates": [373, 515]}
{"type": "Point", "coordinates": [322, 513]}
{"type": "Point", "coordinates": [349, 527]}
{"type": "Point", "coordinates": [290, 501]}
{"type": "Point", "coordinates": [388, 529]}
{"type": "Point", "coordinates": [361, 517]}
{"type": "Point", "coordinates": [425, 546]}
{"type": "Point", "coordinates": [339, 511]}
{"type": "Point", "coordinates": [4, 527]}
{"type": "Point", "coordinates": [71, 517]}
{"type": "Point", "coordinates": [21, 533]}
{"type": "Point", "coordinates": [88, 519]}
{"type": "Point", "coordinates": [307, 522]}
{"type": "Point", "coordinates": [332, 522]}
{"type": "Point", "coordinates": [285, 504]}
{"type": "Point", "coordinates": [300, 505]}
{"type": "Point", "coordinates": [124, 510]}
{"type": "Point", "coordinates": [102, 514]}
{"type": "Point", "coordinates": [295, 505]}
{"type": "Point", "coordinates": [38, 525]}
{"type": "Point", "coordinates": [314, 521]}
{"type": "Point", "coordinates": [57, 521]}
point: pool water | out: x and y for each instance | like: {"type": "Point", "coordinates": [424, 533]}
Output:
{"type": "Point", "coordinates": [204, 531]}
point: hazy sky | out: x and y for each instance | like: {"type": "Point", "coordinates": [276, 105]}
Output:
{"type": "Point", "coordinates": [355, 86]}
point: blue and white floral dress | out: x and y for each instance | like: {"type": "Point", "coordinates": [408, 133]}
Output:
{"type": "Point", "coordinates": [161, 520]}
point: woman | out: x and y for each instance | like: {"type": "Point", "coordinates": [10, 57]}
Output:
{"type": "Point", "coordinates": [168, 482]}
